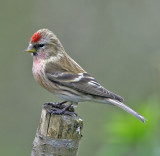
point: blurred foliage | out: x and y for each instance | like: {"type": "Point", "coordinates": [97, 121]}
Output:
{"type": "Point", "coordinates": [117, 42]}
{"type": "Point", "coordinates": [129, 137]}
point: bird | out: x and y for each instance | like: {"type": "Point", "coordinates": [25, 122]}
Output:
{"type": "Point", "coordinates": [58, 73]}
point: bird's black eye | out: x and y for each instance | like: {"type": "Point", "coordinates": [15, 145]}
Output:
{"type": "Point", "coordinates": [41, 45]}
{"type": "Point", "coordinates": [37, 46]}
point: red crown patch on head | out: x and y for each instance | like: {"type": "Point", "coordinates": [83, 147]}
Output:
{"type": "Point", "coordinates": [36, 37]}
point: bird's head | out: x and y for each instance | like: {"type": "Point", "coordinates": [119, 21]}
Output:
{"type": "Point", "coordinates": [44, 44]}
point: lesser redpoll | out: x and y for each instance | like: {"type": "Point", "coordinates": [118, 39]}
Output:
{"type": "Point", "coordinates": [57, 72]}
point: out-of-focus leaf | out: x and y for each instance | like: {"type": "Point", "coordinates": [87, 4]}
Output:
{"type": "Point", "coordinates": [127, 129]}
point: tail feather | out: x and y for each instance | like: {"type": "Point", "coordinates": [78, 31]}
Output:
{"type": "Point", "coordinates": [127, 109]}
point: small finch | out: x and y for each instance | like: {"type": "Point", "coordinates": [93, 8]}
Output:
{"type": "Point", "coordinates": [57, 72]}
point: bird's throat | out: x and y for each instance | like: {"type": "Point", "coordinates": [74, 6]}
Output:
{"type": "Point", "coordinates": [37, 65]}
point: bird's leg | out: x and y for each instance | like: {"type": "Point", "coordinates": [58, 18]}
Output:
{"type": "Point", "coordinates": [57, 105]}
{"type": "Point", "coordinates": [67, 110]}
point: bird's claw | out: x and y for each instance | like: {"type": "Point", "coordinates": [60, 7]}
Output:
{"type": "Point", "coordinates": [60, 109]}
{"type": "Point", "coordinates": [57, 105]}
{"type": "Point", "coordinates": [60, 105]}
{"type": "Point", "coordinates": [61, 112]}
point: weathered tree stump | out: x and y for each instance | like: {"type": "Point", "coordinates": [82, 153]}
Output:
{"type": "Point", "coordinates": [57, 135]}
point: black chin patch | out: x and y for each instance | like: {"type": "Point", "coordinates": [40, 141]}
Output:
{"type": "Point", "coordinates": [35, 54]}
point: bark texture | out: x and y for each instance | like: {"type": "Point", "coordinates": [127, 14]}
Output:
{"type": "Point", "coordinates": [57, 135]}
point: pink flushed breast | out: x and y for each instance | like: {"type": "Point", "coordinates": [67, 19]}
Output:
{"type": "Point", "coordinates": [39, 75]}
{"type": "Point", "coordinates": [38, 71]}
{"type": "Point", "coordinates": [38, 63]}
{"type": "Point", "coordinates": [37, 66]}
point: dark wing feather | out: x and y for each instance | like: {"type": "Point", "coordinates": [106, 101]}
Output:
{"type": "Point", "coordinates": [82, 82]}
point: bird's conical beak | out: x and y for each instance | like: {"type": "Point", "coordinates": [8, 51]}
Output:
{"type": "Point", "coordinates": [30, 49]}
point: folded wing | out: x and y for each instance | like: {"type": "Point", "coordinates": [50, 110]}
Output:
{"type": "Point", "coordinates": [81, 82]}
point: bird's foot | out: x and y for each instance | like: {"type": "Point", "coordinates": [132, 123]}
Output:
{"type": "Point", "coordinates": [67, 110]}
{"type": "Point", "coordinates": [57, 105]}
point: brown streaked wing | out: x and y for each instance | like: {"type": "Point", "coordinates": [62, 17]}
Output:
{"type": "Point", "coordinates": [82, 82]}
{"type": "Point", "coordinates": [64, 64]}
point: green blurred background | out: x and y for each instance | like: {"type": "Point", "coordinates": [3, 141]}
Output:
{"type": "Point", "coordinates": [116, 41]}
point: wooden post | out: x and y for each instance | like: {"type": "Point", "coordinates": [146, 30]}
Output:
{"type": "Point", "coordinates": [57, 135]}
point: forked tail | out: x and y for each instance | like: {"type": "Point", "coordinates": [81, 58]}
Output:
{"type": "Point", "coordinates": [127, 109]}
